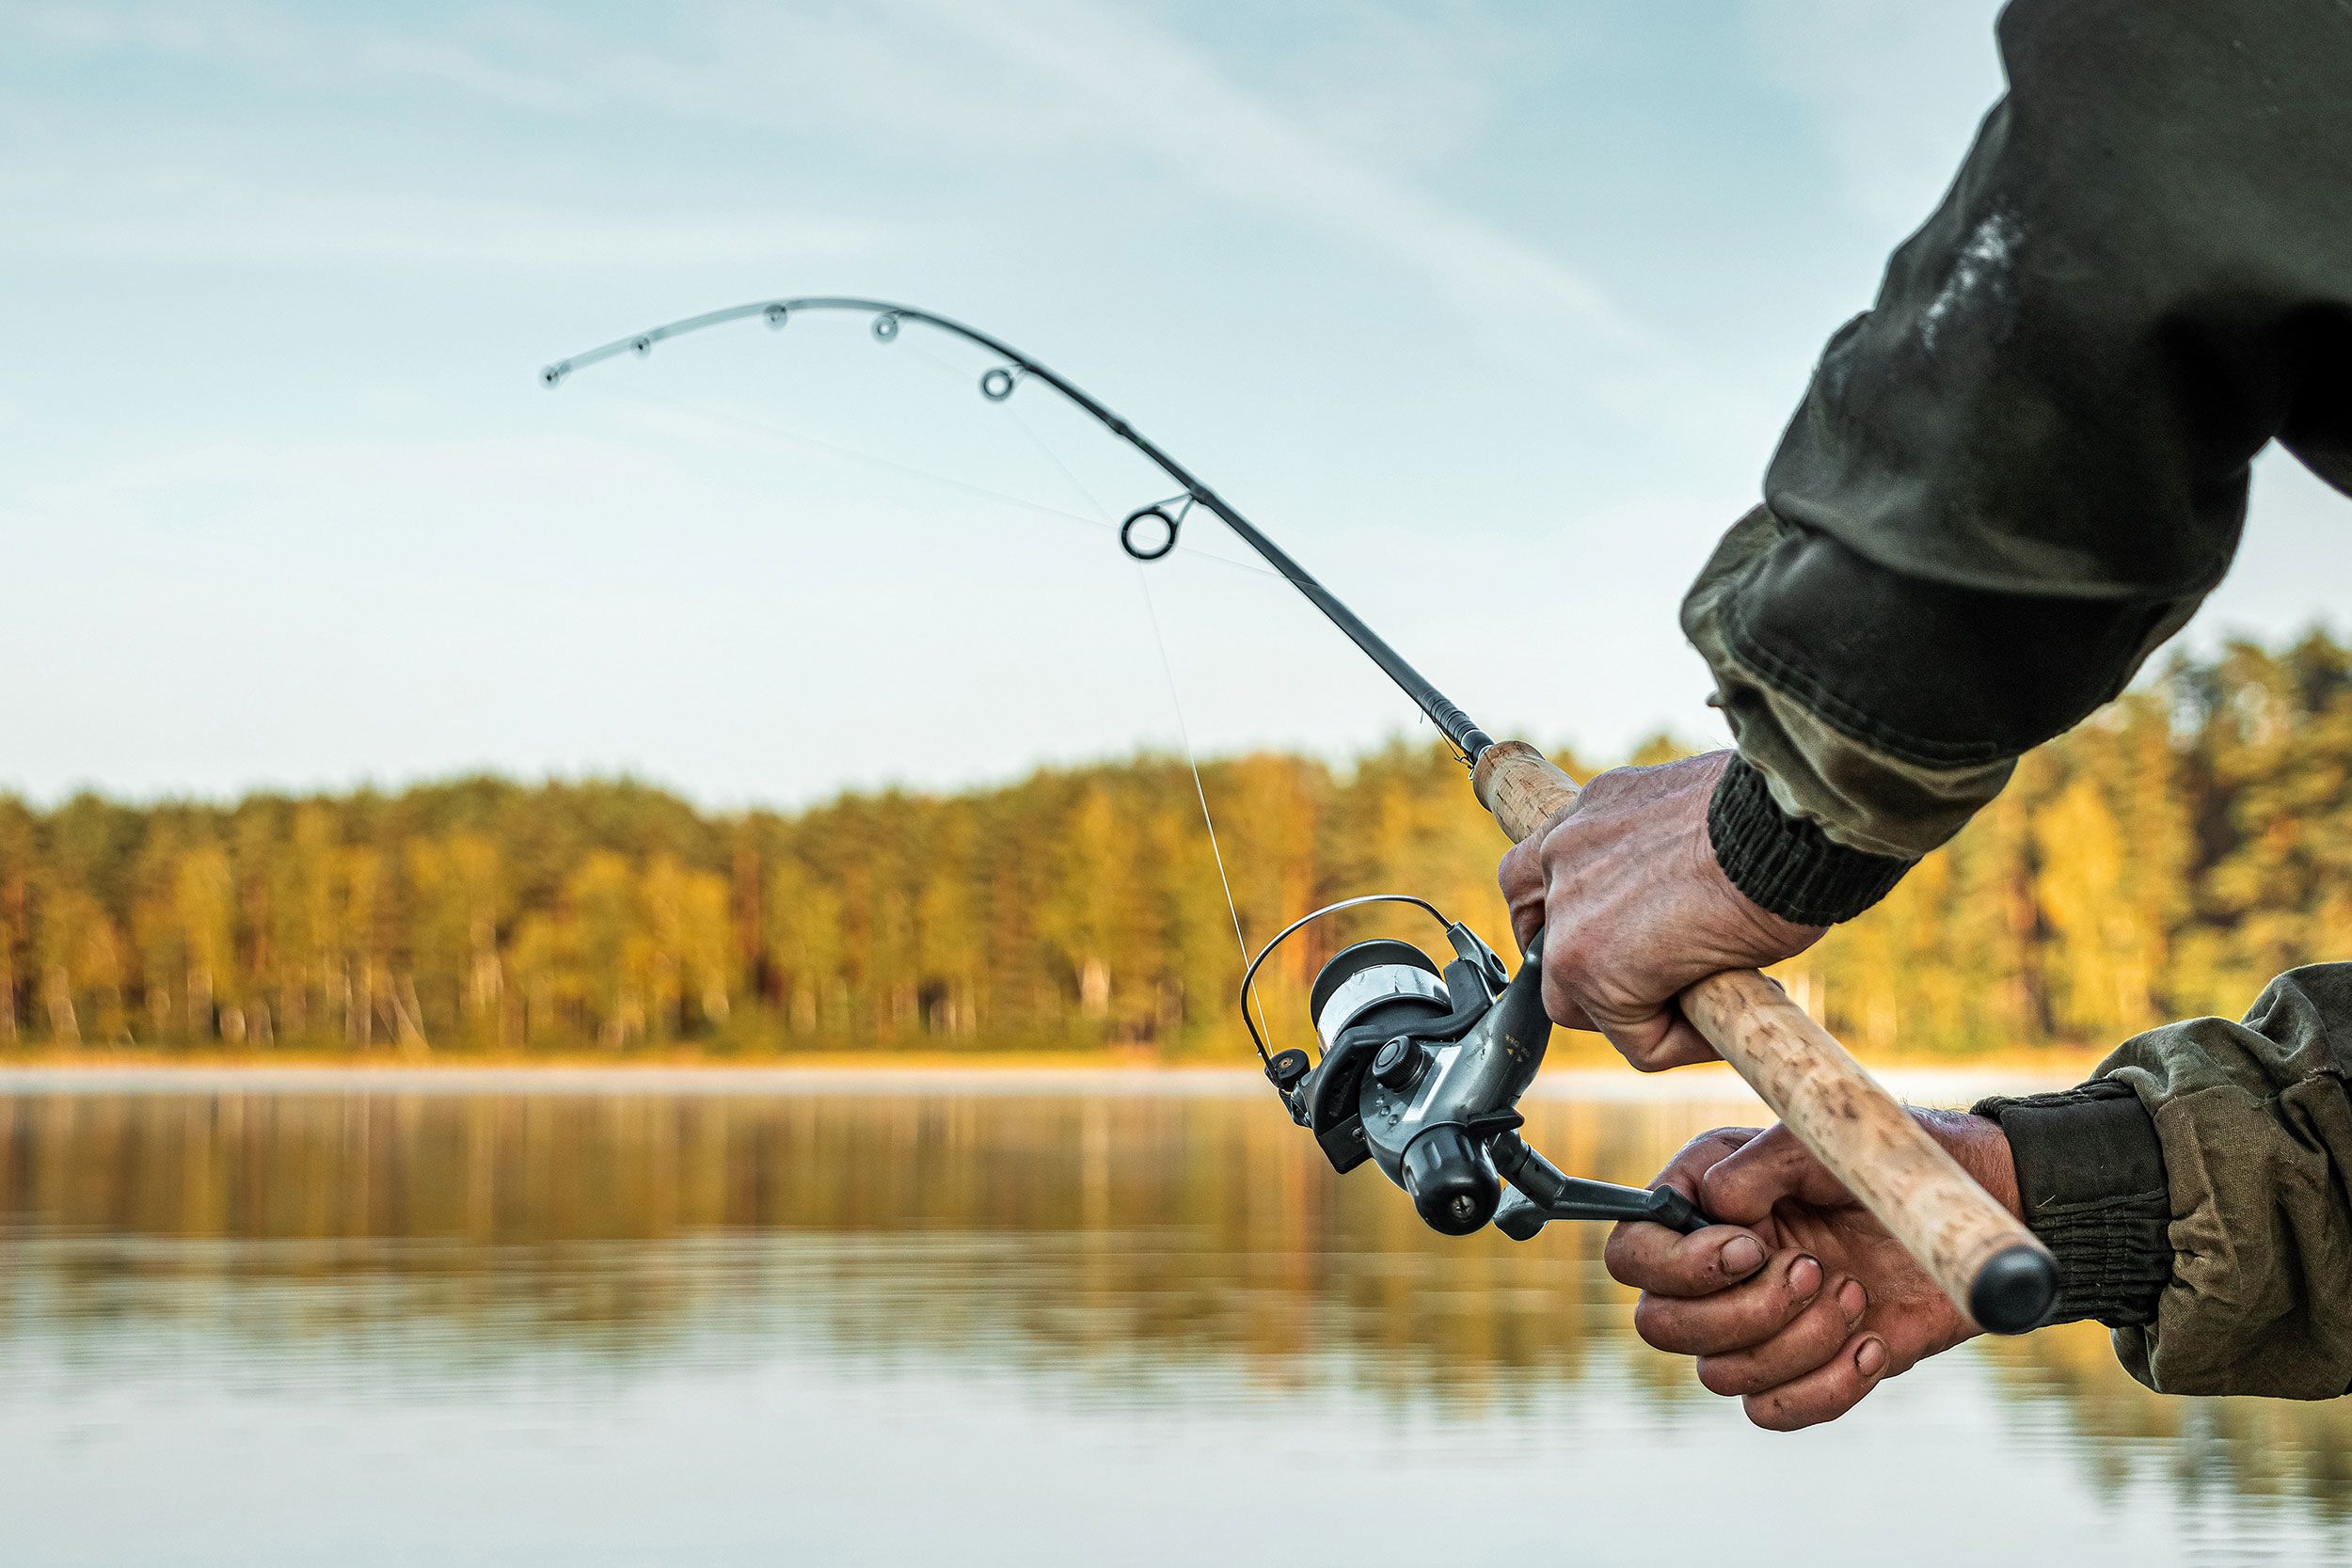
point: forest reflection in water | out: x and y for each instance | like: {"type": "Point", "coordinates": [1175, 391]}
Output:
{"type": "Point", "coordinates": [1109, 1260]}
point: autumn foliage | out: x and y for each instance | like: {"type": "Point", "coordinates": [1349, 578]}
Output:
{"type": "Point", "coordinates": [2167, 858]}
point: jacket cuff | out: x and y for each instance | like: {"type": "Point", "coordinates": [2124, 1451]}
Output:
{"type": "Point", "coordinates": [2090, 1179]}
{"type": "Point", "coordinates": [1786, 865]}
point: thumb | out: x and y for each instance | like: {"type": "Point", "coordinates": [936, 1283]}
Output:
{"type": "Point", "coordinates": [1743, 1187]}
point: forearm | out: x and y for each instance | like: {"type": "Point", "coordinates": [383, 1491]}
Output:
{"type": "Point", "coordinates": [1877, 710]}
{"type": "Point", "coordinates": [2023, 466]}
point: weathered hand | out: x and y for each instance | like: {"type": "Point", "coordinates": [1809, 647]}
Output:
{"type": "Point", "coordinates": [1634, 909]}
{"type": "Point", "coordinates": [1800, 1303]}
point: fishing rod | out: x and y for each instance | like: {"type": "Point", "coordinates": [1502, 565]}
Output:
{"type": "Point", "coordinates": [1422, 1070]}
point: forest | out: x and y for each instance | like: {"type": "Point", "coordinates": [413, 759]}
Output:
{"type": "Point", "coordinates": [2165, 858]}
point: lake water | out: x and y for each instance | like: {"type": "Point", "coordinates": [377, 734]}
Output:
{"type": "Point", "coordinates": [459, 1322]}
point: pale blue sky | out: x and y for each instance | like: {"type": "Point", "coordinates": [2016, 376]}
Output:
{"type": "Point", "coordinates": [1490, 312]}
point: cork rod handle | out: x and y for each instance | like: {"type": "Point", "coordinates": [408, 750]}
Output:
{"type": "Point", "coordinates": [1987, 1261]}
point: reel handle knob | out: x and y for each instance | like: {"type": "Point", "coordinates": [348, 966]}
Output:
{"type": "Point", "coordinates": [1453, 1184]}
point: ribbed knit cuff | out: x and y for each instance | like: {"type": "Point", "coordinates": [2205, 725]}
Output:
{"type": "Point", "coordinates": [2090, 1179]}
{"type": "Point", "coordinates": [1786, 865]}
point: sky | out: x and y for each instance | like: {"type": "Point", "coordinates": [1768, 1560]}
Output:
{"type": "Point", "coordinates": [1490, 313]}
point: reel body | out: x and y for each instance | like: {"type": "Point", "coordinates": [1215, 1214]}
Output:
{"type": "Point", "coordinates": [1421, 1073]}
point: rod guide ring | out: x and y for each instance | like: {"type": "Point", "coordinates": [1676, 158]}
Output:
{"type": "Point", "coordinates": [1128, 532]}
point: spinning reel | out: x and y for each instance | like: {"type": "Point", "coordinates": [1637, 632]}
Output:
{"type": "Point", "coordinates": [1422, 1072]}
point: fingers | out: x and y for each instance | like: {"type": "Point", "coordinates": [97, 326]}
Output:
{"type": "Point", "coordinates": [1649, 1031]}
{"type": "Point", "coordinates": [1825, 1393]}
{"type": "Point", "coordinates": [1744, 1185]}
{"type": "Point", "coordinates": [1693, 1159]}
{"type": "Point", "coordinates": [1559, 1002]}
{"type": "Point", "coordinates": [1772, 1328]}
{"type": "Point", "coordinates": [1743, 1317]}
{"type": "Point", "coordinates": [1817, 1333]}
{"type": "Point", "coordinates": [1522, 878]}
{"type": "Point", "coordinates": [1664, 1039]}
{"type": "Point", "coordinates": [1652, 1257]}
{"type": "Point", "coordinates": [1661, 1263]}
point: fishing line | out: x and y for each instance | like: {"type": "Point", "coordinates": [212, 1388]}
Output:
{"type": "Point", "coordinates": [871, 460]}
{"type": "Point", "coordinates": [1046, 450]}
{"type": "Point", "coordinates": [1184, 729]}
{"type": "Point", "coordinates": [908, 470]}
{"type": "Point", "coordinates": [1102, 519]}
{"type": "Point", "coordinates": [1151, 607]}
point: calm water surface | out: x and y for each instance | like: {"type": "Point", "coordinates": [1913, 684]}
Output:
{"type": "Point", "coordinates": [400, 1325]}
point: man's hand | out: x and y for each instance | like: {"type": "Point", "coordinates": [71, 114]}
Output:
{"type": "Point", "coordinates": [1636, 909]}
{"type": "Point", "coordinates": [1800, 1303]}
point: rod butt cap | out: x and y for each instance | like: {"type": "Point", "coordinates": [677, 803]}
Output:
{"type": "Point", "coordinates": [2014, 1290]}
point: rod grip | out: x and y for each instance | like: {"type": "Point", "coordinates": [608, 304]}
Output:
{"type": "Point", "coordinates": [1980, 1254]}
{"type": "Point", "coordinates": [1520, 785]}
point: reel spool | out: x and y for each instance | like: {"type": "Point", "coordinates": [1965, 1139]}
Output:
{"type": "Point", "coordinates": [1421, 1072]}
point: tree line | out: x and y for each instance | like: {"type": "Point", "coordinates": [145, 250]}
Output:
{"type": "Point", "coordinates": [2165, 858]}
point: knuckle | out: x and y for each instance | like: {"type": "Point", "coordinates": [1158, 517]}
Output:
{"type": "Point", "coordinates": [1805, 1347]}
{"type": "Point", "coordinates": [1708, 1149]}
{"type": "Point", "coordinates": [1731, 1376]}
{"type": "Point", "coordinates": [1640, 1046]}
{"type": "Point", "coordinates": [1774, 1411]}
{"type": "Point", "coordinates": [1575, 954]}
{"type": "Point", "coordinates": [1777, 1303]}
{"type": "Point", "coordinates": [1619, 1255]}
{"type": "Point", "coordinates": [1791, 1408]}
{"type": "Point", "coordinates": [1658, 1321]}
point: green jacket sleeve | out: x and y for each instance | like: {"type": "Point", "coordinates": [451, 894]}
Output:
{"type": "Point", "coordinates": [2024, 469]}
{"type": "Point", "coordinates": [2199, 1194]}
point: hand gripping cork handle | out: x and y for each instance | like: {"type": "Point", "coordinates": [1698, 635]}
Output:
{"type": "Point", "coordinates": [1986, 1261]}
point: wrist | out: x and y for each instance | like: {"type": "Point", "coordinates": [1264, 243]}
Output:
{"type": "Point", "coordinates": [1981, 1148]}
{"type": "Point", "coordinates": [1784, 865]}
{"type": "Point", "coordinates": [2090, 1183]}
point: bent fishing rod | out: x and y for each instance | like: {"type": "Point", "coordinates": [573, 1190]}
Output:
{"type": "Point", "coordinates": [1421, 1070]}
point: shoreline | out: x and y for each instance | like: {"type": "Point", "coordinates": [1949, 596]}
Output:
{"type": "Point", "coordinates": [1938, 1084]}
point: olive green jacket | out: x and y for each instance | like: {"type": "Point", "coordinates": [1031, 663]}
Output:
{"type": "Point", "coordinates": [2010, 480]}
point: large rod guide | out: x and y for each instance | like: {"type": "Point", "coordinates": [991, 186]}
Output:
{"type": "Point", "coordinates": [997, 384]}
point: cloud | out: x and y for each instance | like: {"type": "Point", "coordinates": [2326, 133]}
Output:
{"type": "Point", "coordinates": [284, 44]}
{"type": "Point", "coordinates": [1230, 143]}
{"type": "Point", "coordinates": [194, 216]}
{"type": "Point", "coordinates": [1060, 79]}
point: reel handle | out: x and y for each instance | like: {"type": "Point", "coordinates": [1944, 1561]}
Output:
{"type": "Point", "coordinates": [1543, 1193]}
{"type": "Point", "coordinates": [1981, 1254]}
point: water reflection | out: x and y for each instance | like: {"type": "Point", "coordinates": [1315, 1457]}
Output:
{"type": "Point", "coordinates": [1125, 1259]}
